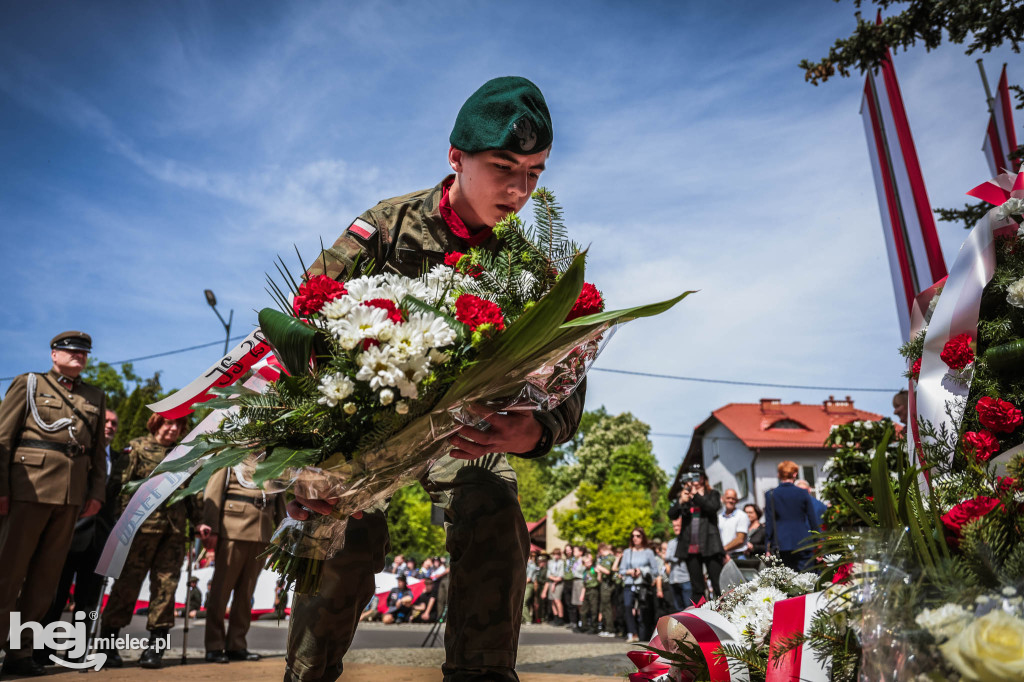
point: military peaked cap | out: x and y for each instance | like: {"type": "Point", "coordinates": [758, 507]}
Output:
{"type": "Point", "coordinates": [72, 341]}
{"type": "Point", "coordinates": [505, 113]}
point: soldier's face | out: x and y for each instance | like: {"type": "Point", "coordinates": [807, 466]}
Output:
{"type": "Point", "coordinates": [489, 185]}
{"type": "Point", "coordinates": [70, 363]}
{"type": "Point", "coordinates": [168, 433]}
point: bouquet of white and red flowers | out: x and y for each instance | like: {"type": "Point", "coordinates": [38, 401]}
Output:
{"type": "Point", "coordinates": [378, 371]}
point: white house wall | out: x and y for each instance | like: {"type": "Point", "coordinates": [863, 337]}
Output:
{"type": "Point", "coordinates": [767, 467]}
{"type": "Point", "coordinates": [725, 456]}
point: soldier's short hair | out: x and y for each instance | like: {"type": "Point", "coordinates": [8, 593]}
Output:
{"type": "Point", "coordinates": [155, 421]}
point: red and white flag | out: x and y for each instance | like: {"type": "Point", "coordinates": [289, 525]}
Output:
{"type": "Point", "coordinates": [915, 257]}
{"type": "Point", "coordinates": [1000, 137]}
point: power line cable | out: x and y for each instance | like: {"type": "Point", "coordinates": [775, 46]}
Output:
{"type": "Point", "coordinates": [651, 375]}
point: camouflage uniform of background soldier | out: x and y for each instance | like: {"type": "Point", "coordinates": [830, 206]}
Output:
{"type": "Point", "coordinates": [52, 467]}
{"type": "Point", "coordinates": [158, 548]}
{"type": "Point", "coordinates": [486, 533]}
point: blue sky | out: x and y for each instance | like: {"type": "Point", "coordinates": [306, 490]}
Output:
{"type": "Point", "coordinates": [154, 150]}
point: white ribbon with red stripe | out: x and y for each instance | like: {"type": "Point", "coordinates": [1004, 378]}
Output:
{"type": "Point", "coordinates": [223, 373]}
{"type": "Point", "coordinates": [157, 489]}
{"type": "Point", "coordinates": [710, 630]}
{"type": "Point", "coordinates": [791, 617]}
{"type": "Point", "coordinates": [940, 399]}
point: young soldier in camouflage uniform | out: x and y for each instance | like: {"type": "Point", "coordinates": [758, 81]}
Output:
{"type": "Point", "coordinates": [606, 574]}
{"type": "Point", "coordinates": [499, 146]}
{"type": "Point", "coordinates": [158, 547]}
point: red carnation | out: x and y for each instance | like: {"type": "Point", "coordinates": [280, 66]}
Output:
{"type": "Point", "coordinates": [915, 370]}
{"type": "Point", "coordinates": [386, 304]}
{"type": "Point", "coordinates": [452, 258]}
{"type": "Point", "coordinates": [1005, 484]}
{"type": "Point", "coordinates": [474, 311]}
{"type": "Point", "coordinates": [965, 512]}
{"type": "Point", "coordinates": [981, 444]}
{"type": "Point", "coordinates": [998, 415]}
{"type": "Point", "coordinates": [314, 293]}
{"type": "Point", "coordinates": [589, 302]}
{"type": "Point", "coordinates": [957, 353]}
{"type": "Point", "coordinates": [842, 573]}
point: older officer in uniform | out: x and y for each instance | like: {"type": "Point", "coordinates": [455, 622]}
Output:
{"type": "Point", "coordinates": [238, 521]}
{"type": "Point", "coordinates": [499, 145]}
{"type": "Point", "coordinates": [52, 471]}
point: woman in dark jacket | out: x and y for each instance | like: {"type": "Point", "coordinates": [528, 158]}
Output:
{"type": "Point", "coordinates": [757, 542]}
{"type": "Point", "coordinates": [700, 544]}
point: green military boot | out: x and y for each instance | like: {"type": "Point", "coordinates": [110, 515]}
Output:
{"type": "Point", "coordinates": [152, 657]}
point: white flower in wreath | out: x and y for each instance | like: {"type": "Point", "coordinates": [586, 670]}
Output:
{"type": "Point", "coordinates": [989, 649]}
{"type": "Point", "coordinates": [1015, 293]}
{"type": "Point", "coordinates": [377, 367]}
{"type": "Point", "coordinates": [334, 388]}
{"type": "Point", "coordinates": [1010, 207]}
{"type": "Point", "coordinates": [943, 622]}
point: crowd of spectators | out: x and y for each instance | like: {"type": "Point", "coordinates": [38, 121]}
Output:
{"type": "Point", "coordinates": [402, 605]}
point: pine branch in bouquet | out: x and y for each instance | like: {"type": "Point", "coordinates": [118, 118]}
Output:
{"type": "Point", "coordinates": [750, 657]}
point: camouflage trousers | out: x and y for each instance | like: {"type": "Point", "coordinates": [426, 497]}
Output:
{"type": "Point", "coordinates": [589, 607]}
{"type": "Point", "coordinates": [160, 555]}
{"type": "Point", "coordinates": [606, 603]}
{"type": "Point", "coordinates": [488, 544]}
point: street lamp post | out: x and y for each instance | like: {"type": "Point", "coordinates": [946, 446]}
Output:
{"type": "Point", "coordinates": [212, 300]}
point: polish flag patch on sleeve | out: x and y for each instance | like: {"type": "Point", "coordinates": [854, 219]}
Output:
{"type": "Point", "coordinates": [362, 229]}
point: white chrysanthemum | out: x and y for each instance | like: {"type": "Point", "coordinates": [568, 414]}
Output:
{"type": "Point", "coordinates": [338, 308]}
{"type": "Point", "coordinates": [443, 282]}
{"type": "Point", "coordinates": [437, 357]}
{"type": "Point", "coordinates": [335, 388]}
{"type": "Point", "coordinates": [362, 322]}
{"type": "Point", "coordinates": [377, 367]}
{"type": "Point", "coordinates": [1010, 207]}
{"type": "Point", "coordinates": [435, 331]}
{"type": "Point", "coordinates": [407, 340]}
{"type": "Point", "coordinates": [414, 369]}
{"type": "Point", "coordinates": [1015, 293]}
{"type": "Point", "coordinates": [387, 396]}
{"type": "Point", "coordinates": [945, 621]}
{"type": "Point", "coordinates": [364, 288]}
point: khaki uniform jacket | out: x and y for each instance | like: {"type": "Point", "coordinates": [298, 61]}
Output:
{"type": "Point", "coordinates": [144, 455]}
{"type": "Point", "coordinates": [410, 237]}
{"type": "Point", "coordinates": [237, 520]}
{"type": "Point", "coordinates": [68, 475]}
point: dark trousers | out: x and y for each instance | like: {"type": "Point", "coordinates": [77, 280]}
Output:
{"type": "Point", "coordinates": [695, 564]}
{"type": "Point", "coordinates": [798, 561]}
{"type": "Point", "coordinates": [642, 599]}
{"type": "Point", "coordinates": [682, 595]}
{"type": "Point", "coordinates": [79, 570]}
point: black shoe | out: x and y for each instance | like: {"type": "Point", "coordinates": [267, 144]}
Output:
{"type": "Point", "coordinates": [114, 659]}
{"type": "Point", "coordinates": [243, 655]}
{"type": "Point", "coordinates": [151, 657]}
{"type": "Point", "coordinates": [217, 657]}
{"type": "Point", "coordinates": [23, 667]}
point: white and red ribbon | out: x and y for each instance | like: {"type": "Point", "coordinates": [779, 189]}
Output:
{"type": "Point", "coordinates": [940, 397]}
{"type": "Point", "coordinates": [791, 617]}
{"type": "Point", "coordinates": [710, 630]}
{"type": "Point", "coordinates": [223, 373]}
{"type": "Point", "coordinates": [157, 489]}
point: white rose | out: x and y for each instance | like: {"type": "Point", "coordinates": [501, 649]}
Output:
{"type": "Point", "coordinates": [990, 649]}
{"type": "Point", "coordinates": [1015, 293]}
{"type": "Point", "coordinates": [1010, 207]}
{"type": "Point", "coordinates": [386, 396]}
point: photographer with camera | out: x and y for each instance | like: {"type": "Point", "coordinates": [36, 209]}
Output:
{"type": "Point", "coordinates": [699, 544]}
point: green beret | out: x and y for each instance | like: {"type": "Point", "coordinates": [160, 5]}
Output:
{"type": "Point", "coordinates": [72, 341]}
{"type": "Point", "coordinates": [505, 113]}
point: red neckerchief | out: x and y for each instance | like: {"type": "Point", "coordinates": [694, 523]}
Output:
{"type": "Point", "coordinates": [455, 223]}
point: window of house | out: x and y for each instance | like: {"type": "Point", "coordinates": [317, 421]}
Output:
{"type": "Point", "coordinates": [787, 424]}
{"type": "Point", "coordinates": [742, 485]}
{"type": "Point", "coordinates": [718, 487]}
{"type": "Point", "coordinates": [808, 476]}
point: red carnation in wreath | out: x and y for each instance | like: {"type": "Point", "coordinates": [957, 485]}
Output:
{"type": "Point", "coordinates": [998, 415]}
{"type": "Point", "coordinates": [957, 353]}
{"type": "Point", "coordinates": [474, 311]}
{"type": "Point", "coordinates": [589, 302]}
{"type": "Point", "coordinates": [970, 510]}
{"type": "Point", "coordinates": [915, 370]}
{"type": "Point", "coordinates": [842, 574]}
{"type": "Point", "coordinates": [981, 444]}
{"type": "Point", "coordinates": [452, 260]}
{"type": "Point", "coordinates": [387, 305]}
{"type": "Point", "coordinates": [315, 293]}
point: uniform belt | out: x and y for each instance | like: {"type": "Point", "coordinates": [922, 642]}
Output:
{"type": "Point", "coordinates": [69, 448]}
{"type": "Point", "coordinates": [258, 502]}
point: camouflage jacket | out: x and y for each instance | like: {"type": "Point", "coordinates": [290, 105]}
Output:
{"type": "Point", "coordinates": [144, 454]}
{"type": "Point", "coordinates": [407, 235]}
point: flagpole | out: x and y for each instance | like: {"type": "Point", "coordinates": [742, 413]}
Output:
{"type": "Point", "coordinates": [988, 92]}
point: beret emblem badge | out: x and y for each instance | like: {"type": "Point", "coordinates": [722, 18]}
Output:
{"type": "Point", "coordinates": [524, 132]}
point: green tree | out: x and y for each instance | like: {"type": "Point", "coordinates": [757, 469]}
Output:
{"type": "Point", "coordinates": [534, 479]}
{"type": "Point", "coordinates": [113, 383]}
{"type": "Point", "coordinates": [982, 24]}
{"type": "Point", "coordinates": [133, 412]}
{"type": "Point", "coordinates": [409, 524]}
{"type": "Point", "coordinates": [604, 515]}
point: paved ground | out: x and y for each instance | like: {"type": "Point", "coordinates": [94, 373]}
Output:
{"type": "Point", "coordinates": [392, 652]}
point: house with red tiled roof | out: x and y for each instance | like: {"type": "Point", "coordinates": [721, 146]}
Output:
{"type": "Point", "coordinates": [741, 444]}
